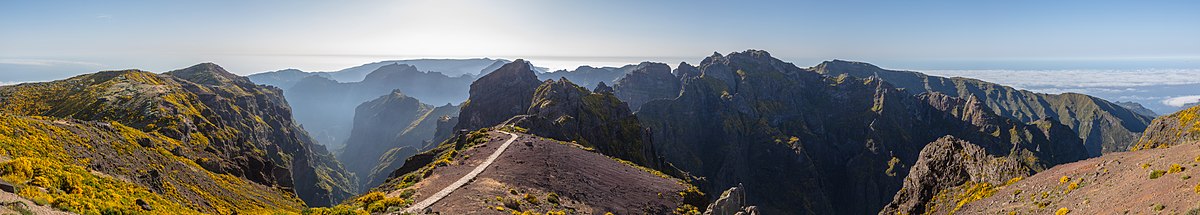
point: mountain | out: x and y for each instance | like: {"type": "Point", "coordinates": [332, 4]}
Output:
{"type": "Point", "coordinates": [498, 96]}
{"type": "Point", "coordinates": [198, 138]}
{"type": "Point", "coordinates": [450, 67]}
{"type": "Point", "coordinates": [326, 107]}
{"type": "Point", "coordinates": [1138, 108]}
{"type": "Point", "coordinates": [647, 81]}
{"type": "Point", "coordinates": [588, 76]}
{"type": "Point", "coordinates": [394, 125]}
{"type": "Point", "coordinates": [799, 142]}
{"type": "Point", "coordinates": [1103, 126]}
{"type": "Point", "coordinates": [1169, 130]}
{"type": "Point", "coordinates": [284, 79]}
{"type": "Point", "coordinates": [564, 111]}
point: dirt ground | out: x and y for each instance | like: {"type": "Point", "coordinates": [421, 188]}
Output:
{"type": "Point", "coordinates": [1117, 183]}
{"type": "Point", "coordinates": [585, 182]}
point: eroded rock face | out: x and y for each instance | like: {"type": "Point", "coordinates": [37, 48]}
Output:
{"type": "Point", "coordinates": [648, 81]}
{"type": "Point", "coordinates": [1174, 129]}
{"type": "Point", "coordinates": [843, 143]}
{"type": "Point", "coordinates": [945, 164]}
{"type": "Point", "coordinates": [562, 110]}
{"type": "Point", "coordinates": [498, 96]}
{"type": "Point", "coordinates": [731, 202]}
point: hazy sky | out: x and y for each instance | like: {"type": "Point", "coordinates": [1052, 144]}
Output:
{"type": "Point", "coordinates": [254, 36]}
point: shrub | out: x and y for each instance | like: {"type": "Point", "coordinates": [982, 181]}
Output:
{"type": "Point", "coordinates": [1063, 180]}
{"type": "Point", "coordinates": [1156, 173]}
{"type": "Point", "coordinates": [1158, 207]}
{"type": "Point", "coordinates": [553, 198]}
{"type": "Point", "coordinates": [367, 199]}
{"type": "Point", "coordinates": [531, 199]}
{"type": "Point", "coordinates": [1175, 168]}
{"type": "Point", "coordinates": [1062, 211]}
{"type": "Point", "coordinates": [1072, 186]}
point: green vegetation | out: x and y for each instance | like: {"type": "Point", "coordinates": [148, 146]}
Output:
{"type": "Point", "coordinates": [1156, 173]}
{"type": "Point", "coordinates": [74, 189]}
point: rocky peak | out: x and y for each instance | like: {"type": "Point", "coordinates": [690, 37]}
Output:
{"type": "Point", "coordinates": [685, 70]}
{"type": "Point", "coordinates": [209, 74]}
{"type": "Point", "coordinates": [843, 65]}
{"type": "Point", "coordinates": [648, 81]}
{"type": "Point", "coordinates": [499, 95]}
{"type": "Point", "coordinates": [565, 111]}
{"type": "Point", "coordinates": [603, 88]}
{"type": "Point", "coordinates": [391, 70]}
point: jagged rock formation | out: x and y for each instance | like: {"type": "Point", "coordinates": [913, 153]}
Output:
{"type": "Point", "coordinates": [805, 143]}
{"type": "Point", "coordinates": [499, 95]}
{"type": "Point", "coordinates": [326, 107]}
{"type": "Point", "coordinates": [1168, 130]}
{"type": "Point", "coordinates": [218, 123]}
{"type": "Point", "coordinates": [565, 111]}
{"type": "Point", "coordinates": [1103, 126]}
{"type": "Point", "coordinates": [647, 81]}
{"type": "Point", "coordinates": [588, 76]}
{"type": "Point", "coordinates": [946, 164]}
{"type": "Point", "coordinates": [386, 131]}
{"type": "Point", "coordinates": [731, 202]}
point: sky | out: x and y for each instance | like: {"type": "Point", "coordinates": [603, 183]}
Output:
{"type": "Point", "coordinates": [254, 36]}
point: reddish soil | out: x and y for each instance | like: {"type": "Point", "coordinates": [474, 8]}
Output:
{"type": "Point", "coordinates": [1114, 183]}
{"type": "Point", "coordinates": [585, 182]}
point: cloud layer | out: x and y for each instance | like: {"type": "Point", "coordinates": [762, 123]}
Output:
{"type": "Point", "coordinates": [1182, 101]}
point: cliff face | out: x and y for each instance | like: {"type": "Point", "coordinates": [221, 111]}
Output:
{"type": "Point", "coordinates": [564, 111]}
{"type": "Point", "coordinates": [386, 130]}
{"type": "Point", "coordinates": [1174, 129]}
{"type": "Point", "coordinates": [648, 81]}
{"type": "Point", "coordinates": [800, 142]}
{"type": "Point", "coordinates": [1104, 126]}
{"type": "Point", "coordinates": [499, 95]}
{"type": "Point", "coordinates": [219, 122]}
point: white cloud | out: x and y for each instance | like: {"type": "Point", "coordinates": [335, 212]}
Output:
{"type": "Point", "coordinates": [47, 62]}
{"type": "Point", "coordinates": [1181, 100]}
{"type": "Point", "coordinates": [1076, 79]}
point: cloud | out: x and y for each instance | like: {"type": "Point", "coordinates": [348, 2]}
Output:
{"type": "Point", "coordinates": [1182, 100]}
{"type": "Point", "coordinates": [47, 62]}
{"type": "Point", "coordinates": [1076, 79]}
{"type": "Point", "coordinates": [103, 16]}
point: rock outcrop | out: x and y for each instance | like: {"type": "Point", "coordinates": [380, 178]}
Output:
{"type": "Point", "coordinates": [731, 202]}
{"type": "Point", "coordinates": [1174, 129]}
{"type": "Point", "coordinates": [499, 95]}
{"type": "Point", "coordinates": [648, 81]}
{"type": "Point", "coordinates": [564, 111]}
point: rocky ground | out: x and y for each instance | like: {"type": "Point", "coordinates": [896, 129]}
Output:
{"type": "Point", "coordinates": [1154, 181]}
{"type": "Point", "coordinates": [533, 169]}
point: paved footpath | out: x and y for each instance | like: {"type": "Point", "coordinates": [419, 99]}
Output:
{"type": "Point", "coordinates": [420, 206]}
